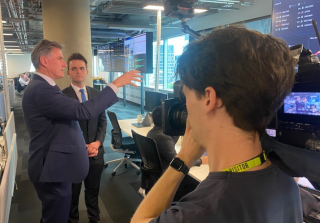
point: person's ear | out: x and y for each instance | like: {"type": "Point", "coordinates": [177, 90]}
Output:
{"type": "Point", "coordinates": [211, 100]}
{"type": "Point", "coordinates": [44, 61]}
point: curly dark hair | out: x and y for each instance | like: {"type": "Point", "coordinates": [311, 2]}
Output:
{"type": "Point", "coordinates": [77, 56]}
{"type": "Point", "coordinates": [251, 72]}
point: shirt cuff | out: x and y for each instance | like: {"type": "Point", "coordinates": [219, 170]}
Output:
{"type": "Point", "coordinates": [114, 88]}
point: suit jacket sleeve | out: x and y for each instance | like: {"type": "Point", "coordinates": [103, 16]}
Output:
{"type": "Point", "coordinates": [102, 127]}
{"type": "Point", "coordinates": [54, 104]}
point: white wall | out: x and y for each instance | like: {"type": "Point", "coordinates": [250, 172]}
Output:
{"type": "Point", "coordinates": [18, 64]}
{"type": "Point", "coordinates": [260, 8]}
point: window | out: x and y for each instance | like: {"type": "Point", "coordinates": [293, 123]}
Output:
{"type": "Point", "coordinates": [151, 78]}
{"type": "Point", "coordinates": [261, 25]}
{"type": "Point", "coordinates": [175, 48]}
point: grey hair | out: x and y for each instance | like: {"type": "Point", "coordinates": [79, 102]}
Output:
{"type": "Point", "coordinates": [43, 48]}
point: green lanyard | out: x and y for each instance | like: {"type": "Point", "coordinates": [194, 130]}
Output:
{"type": "Point", "coordinates": [255, 161]}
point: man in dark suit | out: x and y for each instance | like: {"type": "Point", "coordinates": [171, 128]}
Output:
{"type": "Point", "coordinates": [94, 132]}
{"type": "Point", "coordinates": [58, 153]}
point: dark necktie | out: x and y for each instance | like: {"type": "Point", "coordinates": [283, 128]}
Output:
{"type": "Point", "coordinates": [83, 96]}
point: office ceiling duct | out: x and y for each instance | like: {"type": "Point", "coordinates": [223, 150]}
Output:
{"type": "Point", "coordinates": [110, 19]}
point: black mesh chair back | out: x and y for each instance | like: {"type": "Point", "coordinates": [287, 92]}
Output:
{"type": "Point", "coordinates": [151, 168]}
{"type": "Point", "coordinates": [124, 145]}
{"type": "Point", "coordinates": [17, 84]}
{"type": "Point", "coordinates": [116, 135]}
{"type": "Point", "coordinates": [16, 81]}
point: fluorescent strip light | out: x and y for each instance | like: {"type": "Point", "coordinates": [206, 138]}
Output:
{"type": "Point", "coordinates": [9, 41]}
{"type": "Point", "coordinates": [154, 7]}
{"type": "Point", "coordinates": [15, 53]}
{"type": "Point", "coordinates": [223, 1]}
{"type": "Point", "coordinates": [11, 46]}
{"type": "Point", "coordinates": [4, 21]}
{"type": "Point", "coordinates": [8, 34]}
{"type": "Point", "coordinates": [200, 10]}
{"type": "Point", "coordinates": [12, 49]}
{"type": "Point", "coordinates": [225, 8]}
{"type": "Point", "coordinates": [105, 50]}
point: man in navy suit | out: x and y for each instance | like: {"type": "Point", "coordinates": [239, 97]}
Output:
{"type": "Point", "coordinates": [58, 153]}
{"type": "Point", "coordinates": [94, 132]}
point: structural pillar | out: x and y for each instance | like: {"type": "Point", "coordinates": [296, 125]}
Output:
{"type": "Point", "coordinates": [68, 22]}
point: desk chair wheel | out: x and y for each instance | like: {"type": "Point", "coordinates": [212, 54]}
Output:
{"type": "Point", "coordinates": [105, 165]}
{"type": "Point", "coordinates": [113, 174]}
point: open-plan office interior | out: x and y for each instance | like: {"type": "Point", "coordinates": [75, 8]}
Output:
{"type": "Point", "coordinates": [97, 29]}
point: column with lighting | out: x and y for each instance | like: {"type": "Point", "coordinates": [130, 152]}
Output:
{"type": "Point", "coordinates": [68, 22]}
{"type": "Point", "coordinates": [4, 74]}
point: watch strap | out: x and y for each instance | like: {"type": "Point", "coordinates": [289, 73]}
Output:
{"type": "Point", "coordinates": [179, 165]}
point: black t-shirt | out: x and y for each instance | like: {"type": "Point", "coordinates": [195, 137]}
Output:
{"type": "Point", "coordinates": [264, 196]}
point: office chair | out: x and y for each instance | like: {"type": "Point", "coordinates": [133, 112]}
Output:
{"type": "Point", "coordinates": [151, 168]}
{"type": "Point", "coordinates": [17, 85]}
{"type": "Point", "coordinates": [121, 144]}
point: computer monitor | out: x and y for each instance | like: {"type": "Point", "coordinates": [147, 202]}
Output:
{"type": "Point", "coordinates": [138, 52]}
{"type": "Point", "coordinates": [133, 53]}
{"type": "Point", "coordinates": [292, 22]}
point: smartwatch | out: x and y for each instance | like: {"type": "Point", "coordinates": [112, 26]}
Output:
{"type": "Point", "coordinates": [179, 165]}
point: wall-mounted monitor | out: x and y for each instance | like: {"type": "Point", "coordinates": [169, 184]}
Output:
{"type": "Point", "coordinates": [139, 53]}
{"type": "Point", "coordinates": [292, 22]}
{"type": "Point", "coordinates": [133, 53]}
{"type": "Point", "coordinates": [111, 57]}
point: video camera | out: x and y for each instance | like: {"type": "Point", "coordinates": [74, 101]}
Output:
{"type": "Point", "coordinates": [179, 8]}
{"type": "Point", "coordinates": [174, 112]}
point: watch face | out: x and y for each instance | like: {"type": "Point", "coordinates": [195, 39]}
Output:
{"type": "Point", "coordinates": [177, 163]}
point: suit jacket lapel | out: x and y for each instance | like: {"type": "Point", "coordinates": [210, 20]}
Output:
{"type": "Point", "coordinates": [73, 93]}
{"type": "Point", "coordinates": [89, 93]}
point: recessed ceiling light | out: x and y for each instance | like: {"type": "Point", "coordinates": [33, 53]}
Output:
{"type": "Point", "coordinates": [200, 10]}
{"type": "Point", "coordinates": [154, 7]}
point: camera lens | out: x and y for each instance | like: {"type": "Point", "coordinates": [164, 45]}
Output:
{"type": "Point", "coordinates": [178, 116]}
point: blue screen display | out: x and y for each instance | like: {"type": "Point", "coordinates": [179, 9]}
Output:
{"type": "Point", "coordinates": [303, 103]}
{"type": "Point", "coordinates": [292, 22]}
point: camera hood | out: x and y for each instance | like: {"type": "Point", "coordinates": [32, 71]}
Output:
{"type": "Point", "coordinates": [295, 161]}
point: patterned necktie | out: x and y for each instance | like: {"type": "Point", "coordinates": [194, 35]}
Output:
{"type": "Point", "coordinates": [83, 96]}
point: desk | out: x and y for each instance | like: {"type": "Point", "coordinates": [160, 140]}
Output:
{"type": "Point", "coordinates": [199, 173]}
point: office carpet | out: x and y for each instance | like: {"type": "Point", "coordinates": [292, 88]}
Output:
{"type": "Point", "coordinates": [118, 197]}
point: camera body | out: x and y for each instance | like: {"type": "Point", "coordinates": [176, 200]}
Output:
{"type": "Point", "coordinates": [298, 120]}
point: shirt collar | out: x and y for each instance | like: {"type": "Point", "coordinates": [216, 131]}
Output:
{"type": "Point", "coordinates": [77, 89]}
{"type": "Point", "coordinates": [47, 78]}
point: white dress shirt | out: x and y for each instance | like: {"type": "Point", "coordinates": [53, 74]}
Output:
{"type": "Point", "coordinates": [23, 82]}
{"type": "Point", "coordinates": [47, 78]}
{"type": "Point", "coordinates": [78, 93]}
